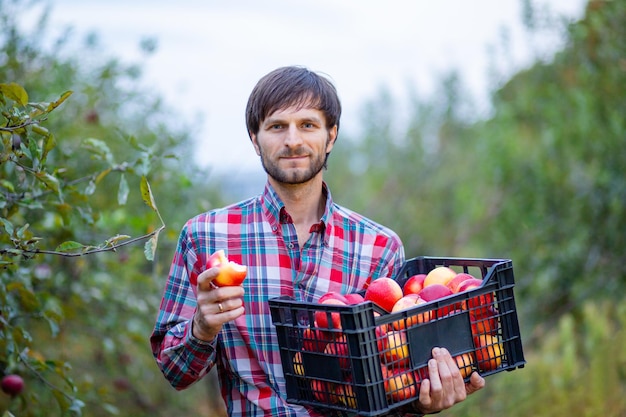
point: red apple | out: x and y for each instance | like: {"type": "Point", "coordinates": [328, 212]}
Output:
{"type": "Point", "coordinates": [332, 295]}
{"type": "Point", "coordinates": [396, 349]}
{"type": "Point", "coordinates": [489, 352]}
{"type": "Point", "coordinates": [381, 335]}
{"type": "Point", "coordinates": [455, 282]}
{"type": "Point", "coordinates": [384, 292]}
{"type": "Point", "coordinates": [486, 323]}
{"type": "Point", "coordinates": [404, 303]}
{"type": "Point", "coordinates": [345, 395]}
{"type": "Point", "coordinates": [469, 284]}
{"type": "Point", "coordinates": [321, 316]}
{"type": "Point", "coordinates": [354, 298]}
{"type": "Point", "coordinates": [314, 340]}
{"type": "Point", "coordinates": [414, 284]}
{"type": "Point", "coordinates": [434, 292]}
{"type": "Point", "coordinates": [480, 304]}
{"type": "Point", "coordinates": [400, 384]}
{"type": "Point", "coordinates": [321, 390]}
{"type": "Point", "coordinates": [12, 384]}
{"type": "Point", "coordinates": [338, 348]}
{"type": "Point", "coordinates": [465, 363]}
{"type": "Point", "coordinates": [231, 273]}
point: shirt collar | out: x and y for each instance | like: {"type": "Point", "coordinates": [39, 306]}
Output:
{"type": "Point", "coordinates": [275, 212]}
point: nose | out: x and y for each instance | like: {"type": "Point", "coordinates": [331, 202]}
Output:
{"type": "Point", "coordinates": [292, 136]}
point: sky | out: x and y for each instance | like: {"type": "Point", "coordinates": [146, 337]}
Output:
{"type": "Point", "coordinates": [210, 54]}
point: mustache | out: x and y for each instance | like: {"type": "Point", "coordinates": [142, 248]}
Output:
{"type": "Point", "coordinates": [290, 153]}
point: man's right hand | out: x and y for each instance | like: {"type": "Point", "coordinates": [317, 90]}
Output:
{"type": "Point", "coordinates": [216, 306]}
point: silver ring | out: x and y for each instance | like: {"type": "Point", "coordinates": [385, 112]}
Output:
{"type": "Point", "coordinates": [219, 305]}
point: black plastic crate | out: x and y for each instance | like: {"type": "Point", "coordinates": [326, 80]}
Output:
{"type": "Point", "coordinates": [375, 361]}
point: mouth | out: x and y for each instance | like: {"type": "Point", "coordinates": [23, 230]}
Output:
{"type": "Point", "coordinates": [294, 158]}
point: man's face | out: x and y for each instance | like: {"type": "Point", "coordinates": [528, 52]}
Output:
{"type": "Point", "coordinates": [293, 144]}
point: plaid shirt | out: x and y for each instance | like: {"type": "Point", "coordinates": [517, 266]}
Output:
{"type": "Point", "coordinates": [344, 252]}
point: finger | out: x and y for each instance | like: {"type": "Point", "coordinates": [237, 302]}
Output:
{"type": "Point", "coordinates": [206, 277]}
{"type": "Point", "coordinates": [475, 383]}
{"type": "Point", "coordinates": [424, 396]}
{"type": "Point", "coordinates": [222, 306]}
{"type": "Point", "coordinates": [436, 388]}
{"type": "Point", "coordinates": [456, 383]}
{"type": "Point", "coordinates": [452, 385]}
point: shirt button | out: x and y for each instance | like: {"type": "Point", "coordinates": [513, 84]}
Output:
{"type": "Point", "coordinates": [290, 245]}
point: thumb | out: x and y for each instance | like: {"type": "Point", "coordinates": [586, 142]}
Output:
{"type": "Point", "coordinates": [206, 278]}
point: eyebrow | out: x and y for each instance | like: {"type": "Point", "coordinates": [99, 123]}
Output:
{"type": "Point", "coordinates": [273, 120]}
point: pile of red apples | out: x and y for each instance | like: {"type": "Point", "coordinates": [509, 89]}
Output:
{"type": "Point", "coordinates": [401, 379]}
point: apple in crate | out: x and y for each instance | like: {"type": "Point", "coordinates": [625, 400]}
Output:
{"type": "Point", "coordinates": [384, 292]}
{"type": "Point", "coordinates": [440, 275]}
{"type": "Point", "coordinates": [406, 302]}
{"type": "Point", "coordinates": [321, 316]}
{"type": "Point", "coordinates": [456, 282]}
{"type": "Point", "coordinates": [414, 284]}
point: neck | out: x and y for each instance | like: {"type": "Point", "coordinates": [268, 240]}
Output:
{"type": "Point", "coordinates": [304, 202]}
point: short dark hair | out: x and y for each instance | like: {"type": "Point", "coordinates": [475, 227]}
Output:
{"type": "Point", "coordinates": [292, 86]}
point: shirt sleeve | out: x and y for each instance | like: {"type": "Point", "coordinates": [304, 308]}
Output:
{"type": "Point", "coordinates": [182, 358]}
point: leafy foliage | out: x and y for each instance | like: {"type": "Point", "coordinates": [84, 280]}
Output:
{"type": "Point", "coordinates": [77, 302]}
{"type": "Point", "coordinates": [540, 181]}
{"type": "Point", "coordinates": [32, 186]}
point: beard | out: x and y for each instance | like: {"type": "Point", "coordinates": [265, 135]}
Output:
{"type": "Point", "coordinates": [296, 175]}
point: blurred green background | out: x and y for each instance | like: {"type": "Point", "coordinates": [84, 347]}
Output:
{"type": "Point", "coordinates": [539, 180]}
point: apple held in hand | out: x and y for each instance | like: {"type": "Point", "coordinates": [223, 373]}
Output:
{"type": "Point", "coordinates": [231, 273]}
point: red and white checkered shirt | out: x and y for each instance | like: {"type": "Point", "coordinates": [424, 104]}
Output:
{"type": "Point", "coordinates": [344, 252]}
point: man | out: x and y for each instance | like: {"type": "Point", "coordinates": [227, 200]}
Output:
{"type": "Point", "coordinates": [294, 241]}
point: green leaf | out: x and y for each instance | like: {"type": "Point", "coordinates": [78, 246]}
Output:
{"type": "Point", "coordinates": [60, 101]}
{"type": "Point", "coordinates": [91, 188]}
{"type": "Point", "coordinates": [122, 192]}
{"type": "Point", "coordinates": [22, 230]}
{"type": "Point", "coordinates": [7, 184]}
{"type": "Point", "coordinates": [76, 407]}
{"type": "Point", "coordinates": [15, 92]}
{"type": "Point", "coordinates": [69, 246]}
{"type": "Point", "coordinates": [8, 226]}
{"type": "Point", "coordinates": [146, 193]}
{"type": "Point", "coordinates": [102, 175]}
{"type": "Point", "coordinates": [99, 149]}
{"type": "Point", "coordinates": [132, 140]}
{"type": "Point", "coordinates": [49, 180]}
{"type": "Point", "coordinates": [116, 239]}
{"type": "Point", "coordinates": [151, 246]}
{"type": "Point", "coordinates": [49, 144]}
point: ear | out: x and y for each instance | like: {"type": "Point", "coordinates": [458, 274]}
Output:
{"type": "Point", "coordinates": [255, 143]}
{"type": "Point", "coordinates": [332, 137]}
